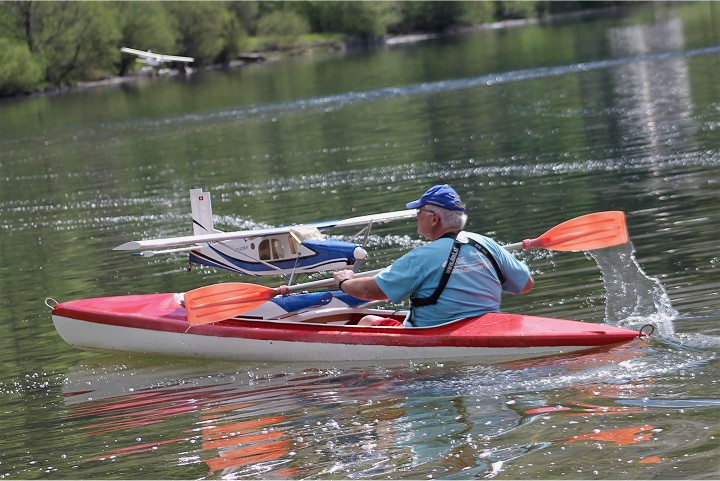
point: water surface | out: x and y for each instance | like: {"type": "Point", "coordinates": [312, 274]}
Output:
{"type": "Point", "coordinates": [532, 125]}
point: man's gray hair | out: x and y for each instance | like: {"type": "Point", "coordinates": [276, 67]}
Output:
{"type": "Point", "coordinates": [451, 218]}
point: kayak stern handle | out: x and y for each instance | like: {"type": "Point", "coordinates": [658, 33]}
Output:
{"type": "Point", "coordinates": [642, 333]}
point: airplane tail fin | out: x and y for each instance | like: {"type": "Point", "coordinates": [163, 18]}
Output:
{"type": "Point", "coordinates": [202, 217]}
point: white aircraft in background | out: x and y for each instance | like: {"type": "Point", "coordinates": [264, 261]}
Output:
{"type": "Point", "coordinates": [154, 61]}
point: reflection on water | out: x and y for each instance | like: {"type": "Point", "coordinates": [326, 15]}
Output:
{"type": "Point", "coordinates": [242, 422]}
{"type": "Point", "coordinates": [656, 96]}
{"type": "Point", "coordinates": [289, 421]}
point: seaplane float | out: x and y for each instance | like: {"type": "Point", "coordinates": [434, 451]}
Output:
{"type": "Point", "coordinates": [249, 322]}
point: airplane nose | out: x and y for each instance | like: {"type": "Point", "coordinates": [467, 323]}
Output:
{"type": "Point", "coordinates": [359, 253]}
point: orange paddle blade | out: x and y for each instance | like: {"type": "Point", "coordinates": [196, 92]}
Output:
{"type": "Point", "coordinates": [584, 233]}
{"type": "Point", "coordinates": [223, 301]}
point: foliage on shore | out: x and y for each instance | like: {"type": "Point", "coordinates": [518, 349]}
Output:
{"type": "Point", "coordinates": [52, 44]}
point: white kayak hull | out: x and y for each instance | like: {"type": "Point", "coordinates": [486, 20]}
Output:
{"type": "Point", "coordinates": [156, 324]}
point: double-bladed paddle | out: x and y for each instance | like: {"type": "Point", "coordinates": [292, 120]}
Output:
{"type": "Point", "coordinates": [218, 302]}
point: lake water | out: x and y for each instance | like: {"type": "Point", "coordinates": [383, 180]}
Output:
{"type": "Point", "coordinates": [533, 125]}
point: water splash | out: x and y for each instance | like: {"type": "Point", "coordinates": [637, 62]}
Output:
{"type": "Point", "coordinates": [633, 296]}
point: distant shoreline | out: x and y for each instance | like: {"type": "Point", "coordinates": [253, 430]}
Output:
{"type": "Point", "coordinates": [275, 56]}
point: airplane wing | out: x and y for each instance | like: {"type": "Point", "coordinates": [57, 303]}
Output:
{"type": "Point", "coordinates": [141, 53]}
{"type": "Point", "coordinates": [366, 219]}
{"type": "Point", "coordinates": [156, 56]}
{"type": "Point", "coordinates": [175, 58]}
{"type": "Point", "coordinates": [222, 236]}
{"type": "Point", "coordinates": [199, 239]}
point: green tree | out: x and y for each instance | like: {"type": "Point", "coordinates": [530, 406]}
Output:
{"type": "Point", "coordinates": [430, 16]}
{"type": "Point", "coordinates": [19, 21]}
{"type": "Point", "coordinates": [517, 9]}
{"type": "Point", "coordinates": [232, 37]}
{"type": "Point", "coordinates": [549, 6]}
{"type": "Point", "coordinates": [205, 30]}
{"type": "Point", "coordinates": [282, 28]}
{"type": "Point", "coordinates": [72, 40]}
{"type": "Point", "coordinates": [247, 13]}
{"type": "Point", "coordinates": [356, 19]}
{"type": "Point", "coordinates": [478, 12]}
{"type": "Point", "coordinates": [19, 72]}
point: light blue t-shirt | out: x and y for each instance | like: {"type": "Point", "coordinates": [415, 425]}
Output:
{"type": "Point", "coordinates": [472, 290]}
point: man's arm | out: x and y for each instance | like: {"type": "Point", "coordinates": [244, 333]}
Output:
{"type": "Point", "coordinates": [361, 287]}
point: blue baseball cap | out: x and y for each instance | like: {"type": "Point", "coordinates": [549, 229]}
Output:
{"type": "Point", "coordinates": [440, 195]}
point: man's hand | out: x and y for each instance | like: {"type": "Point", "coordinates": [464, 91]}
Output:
{"type": "Point", "coordinates": [282, 291]}
{"type": "Point", "coordinates": [343, 275]}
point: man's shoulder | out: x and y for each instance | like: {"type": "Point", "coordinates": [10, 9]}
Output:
{"type": "Point", "coordinates": [472, 235]}
{"type": "Point", "coordinates": [430, 250]}
{"type": "Point", "coordinates": [443, 243]}
{"type": "Point", "coordinates": [465, 236]}
{"type": "Point", "coordinates": [487, 242]}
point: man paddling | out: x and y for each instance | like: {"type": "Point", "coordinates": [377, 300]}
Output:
{"type": "Point", "coordinates": [456, 275]}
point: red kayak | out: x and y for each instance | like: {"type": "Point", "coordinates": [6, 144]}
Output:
{"type": "Point", "coordinates": [314, 330]}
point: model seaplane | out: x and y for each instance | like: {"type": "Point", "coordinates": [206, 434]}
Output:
{"type": "Point", "coordinates": [154, 61]}
{"type": "Point", "coordinates": [297, 249]}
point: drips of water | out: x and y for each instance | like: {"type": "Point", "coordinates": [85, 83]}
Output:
{"type": "Point", "coordinates": [632, 296]}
